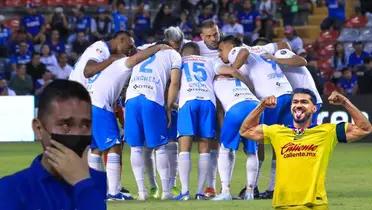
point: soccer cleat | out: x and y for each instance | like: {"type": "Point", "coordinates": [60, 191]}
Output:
{"type": "Point", "coordinates": [249, 195]}
{"type": "Point", "coordinates": [166, 196]}
{"type": "Point", "coordinates": [124, 190]}
{"type": "Point", "coordinates": [175, 191]}
{"type": "Point", "coordinates": [267, 195]}
{"type": "Point", "coordinates": [222, 197]}
{"type": "Point", "coordinates": [154, 193]}
{"type": "Point", "coordinates": [200, 196]}
{"type": "Point", "coordinates": [182, 197]}
{"type": "Point", "coordinates": [209, 192]}
{"type": "Point", "coordinates": [242, 192]}
{"type": "Point", "coordinates": [142, 196]}
{"type": "Point", "coordinates": [256, 193]}
{"type": "Point", "coordinates": [119, 197]}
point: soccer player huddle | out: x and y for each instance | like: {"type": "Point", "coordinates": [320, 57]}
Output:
{"type": "Point", "coordinates": [215, 92]}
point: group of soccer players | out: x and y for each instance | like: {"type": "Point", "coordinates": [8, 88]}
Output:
{"type": "Point", "coordinates": [179, 92]}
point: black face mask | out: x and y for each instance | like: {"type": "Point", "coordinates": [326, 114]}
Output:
{"type": "Point", "coordinates": [76, 143]}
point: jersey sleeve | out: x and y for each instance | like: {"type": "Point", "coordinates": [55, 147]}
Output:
{"type": "Point", "coordinates": [120, 65]}
{"type": "Point", "coordinates": [268, 133]}
{"type": "Point", "coordinates": [270, 48]}
{"type": "Point", "coordinates": [234, 53]}
{"type": "Point", "coordinates": [284, 53]}
{"type": "Point", "coordinates": [176, 60]}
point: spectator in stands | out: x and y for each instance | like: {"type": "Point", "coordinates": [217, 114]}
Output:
{"type": "Point", "coordinates": [21, 82]}
{"type": "Point", "coordinates": [59, 22]}
{"type": "Point", "coordinates": [48, 58]}
{"type": "Point", "coordinates": [17, 38]}
{"type": "Point", "coordinates": [289, 9]}
{"type": "Point", "coordinates": [60, 177]}
{"type": "Point", "coordinates": [207, 13]}
{"type": "Point", "coordinates": [55, 44]}
{"type": "Point", "coordinates": [339, 59]}
{"type": "Point", "coordinates": [232, 27]}
{"type": "Point", "coordinates": [357, 57]}
{"type": "Point", "coordinates": [41, 83]}
{"type": "Point", "coordinates": [83, 23]}
{"type": "Point", "coordinates": [293, 39]}
{"type": "Point", "coordinates": [5, 34]}
{"type": "Point", "coordinates": [225, 7]}
{"type": "Point", "coordinates": [34, 24]}
{"type": "Point", "coordinates": [207, 3]}
{"type": "Point", "coordinates": [63, 69]}
{"type": "Point", "coordinates": [4, 89]}
{"type": "Point", "coordinates": [142, 23]}
{"type": "Point", "coordinates": [365, 77]}
{"type": "Point", "coordinates": [103, 24]}
{"type": "Point", "coordinates": [251, 21]}
{"type": "Point", "coordinates": [336, 15]}
{"type": "Point", "coordinates": [79, 45]}
{"type": "Point", "coordinates": [21, 57]}
{"type": "Point", "coordinates": [120, 20]}
{"type": "Point", "coordinates": [35, 68]}
{"type": "Point", "coordinates": [305, 8]}
{"type": "Point", "coordinates": [267, 9]}
{"type": "Point", "coordinates": [348, 83]}
{"type": "Point", "coordinates": [164, 19]}
{"type": "Point", "coordinates": [186, 24]}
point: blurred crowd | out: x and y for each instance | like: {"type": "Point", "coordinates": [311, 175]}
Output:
{"type": "Point", "coordinates": [41, 44]}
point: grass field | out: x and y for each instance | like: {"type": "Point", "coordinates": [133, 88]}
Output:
{"type": "Point", "coordinates": [349, 180]}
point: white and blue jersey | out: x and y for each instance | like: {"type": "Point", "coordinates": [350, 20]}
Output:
{"type": "Point", "coordinates": [98, 52]}
{"type": "Point", "coordinates": [146, 123]}
{"type": "Point", "coordinates": [267, 79]}
{"type": "Point", "coordinates": [300, 77]}
{"type": "Point", "coordinates": [197, 102]}
{"type": "Point", "coordinates": [237, 101]}
{"type": "Point", "coordinates": [104, 89]}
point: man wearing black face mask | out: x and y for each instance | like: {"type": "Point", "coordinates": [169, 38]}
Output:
{"type": "Point", "coordinates": [59, 178]}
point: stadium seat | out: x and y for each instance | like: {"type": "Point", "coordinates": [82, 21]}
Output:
{"type": "Point", "coordinates": [327, 51]}
{"type": "Point", "coordinates": [15, 3]}
{"type": "Point", "coordinates": [348, 35]}
{"type": "Point", "coordinates": [37, 2]}
{"type": "Point", "coordinates": [330, 35]}
{"type": "Point", "coordinates": [97, 2]}
{"type": "Point", "coordinates": [368, 47]}
{"type": "Point", "coordinates": [369, 17]}
{"type": "Point", "coordinates": [56, 2]}
{"type": "Point", "coordinates": [76, 2]}
{"type": "Point", "coordinates": [328, 88]}
{"type": "Point", "coordinates": [356, 22]}
{"type": "Point", "coordinates": [348, 46]}
{"type": "Point", "coordinates": [365, 35]}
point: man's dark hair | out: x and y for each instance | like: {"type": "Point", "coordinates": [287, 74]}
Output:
{"type": "Point", "coordinates": [260, 40]}
{"type": "Point", "coordinates": [305, 91]}
{"type": "Point", "coordinates": [209, 23]}
{"type": "Point", "coordinates": [236, 42]}
{"type": "Point", "coordinates": [60, 90]}
{"type": "Point", "coordinates": [120, 33]}
{"type": "Point", "coordinates": [191, 45]}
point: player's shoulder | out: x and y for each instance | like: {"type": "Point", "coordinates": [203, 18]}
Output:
{"type": "Point", "coordinates": [17, 179]}
{"type": "Point", "coordinates": [284, 53]}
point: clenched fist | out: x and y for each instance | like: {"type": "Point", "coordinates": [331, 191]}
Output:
{"type": "Point", "coordinates": [269, 102]}
{"type": "Point", "coordinates": [337, 98]}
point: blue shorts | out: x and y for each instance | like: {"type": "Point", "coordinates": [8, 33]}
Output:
{"type": "Point", "coordinates": [230, 137]}
{"type": "Point", "coordinates": [281, 114]}
{"type": "Point", "coordinates": [145, 123]}
{"type": "Point", "coordinates": [197, 118]}
{"type": "Point", "coordinates": [105, 129]}
{"type": "Point", "coordinates": [172, 130]}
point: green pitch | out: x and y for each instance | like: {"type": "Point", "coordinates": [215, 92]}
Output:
{"type": "Point", "coordinates": [349, 180]}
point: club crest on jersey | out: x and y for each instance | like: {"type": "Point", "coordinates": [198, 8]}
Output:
{"type": "Point", "coordinates": [99, 51]}
{"type": "Point", "coordinates": [283, 52]}
{"type": "Point", "coordinates": [298, 133]}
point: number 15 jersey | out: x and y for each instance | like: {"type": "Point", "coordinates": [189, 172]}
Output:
{"type": "Point", "coordinates": [196, 80]}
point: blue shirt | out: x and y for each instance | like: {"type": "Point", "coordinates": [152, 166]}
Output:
{"type": "Point", "coordinates": [56, 48]}
{"type": "Point", "coordinates": [248, 20]}
{"type": "Point", "coordinates": [34, 188]}
{"type": "Point", "coordinates": [4, 35]}
{"type": "Point", "coordinates": [20, 59]}
{"type": "Point", "coordinates": [336, 10]}
{"type": "Point", "coordinates": [33, 23]}
{"type": "Point", "coordinates": [354, 59]}
{"type": "Point", "coordinates": [142, 23]}
{"type": "Point", "coordinates": [83, 24]}
{"type": "Point", "coordinates": [347, 84]}
{"type": "Point", "coordinates": [120, 22]}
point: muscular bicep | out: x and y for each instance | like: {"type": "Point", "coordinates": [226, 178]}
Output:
{"type": "Point", "coordinates": [254, 133]}
{"type": "Point", "coordinates": [354, 133]}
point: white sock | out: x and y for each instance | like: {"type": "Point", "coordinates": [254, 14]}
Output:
{"type": "Point", "coordinates": [272, 175]}
{"type": "Point", "coordinates": [203, 166]}
{"type": "Point", "coordinates": [162, 164]}
{"type": "Point", "coordinates": [212, 171]}
{"type": "Point", "coordinates": [184, 169]}
{"type": "Point", "coordinates": [260, 162]}
{"type": "Point", "coordinates": [137, 162]}
{"type": "Point", "coordinates": [95, 162]}
{"type": "Point", "coordinates": [225, 168]}
{"type": "Point", "coordinates": [232, 158]}
{"type": "Point", "coordinates": [252, 170]}
{"type": "Point", "coordinates": [113, 173]}
{"type": "Point", "coordinates": [149, 158]}
{"type": "Point", "coordinates": [173, 162]}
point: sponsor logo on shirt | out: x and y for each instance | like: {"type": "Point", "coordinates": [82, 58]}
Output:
{"type": "Point", "coordinates": [293, 150]}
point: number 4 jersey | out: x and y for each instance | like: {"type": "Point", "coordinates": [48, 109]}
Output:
{"type": "Point", "coordinates": [197, 80]}
{"type": "Point", "coordinates": [150, 77]}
